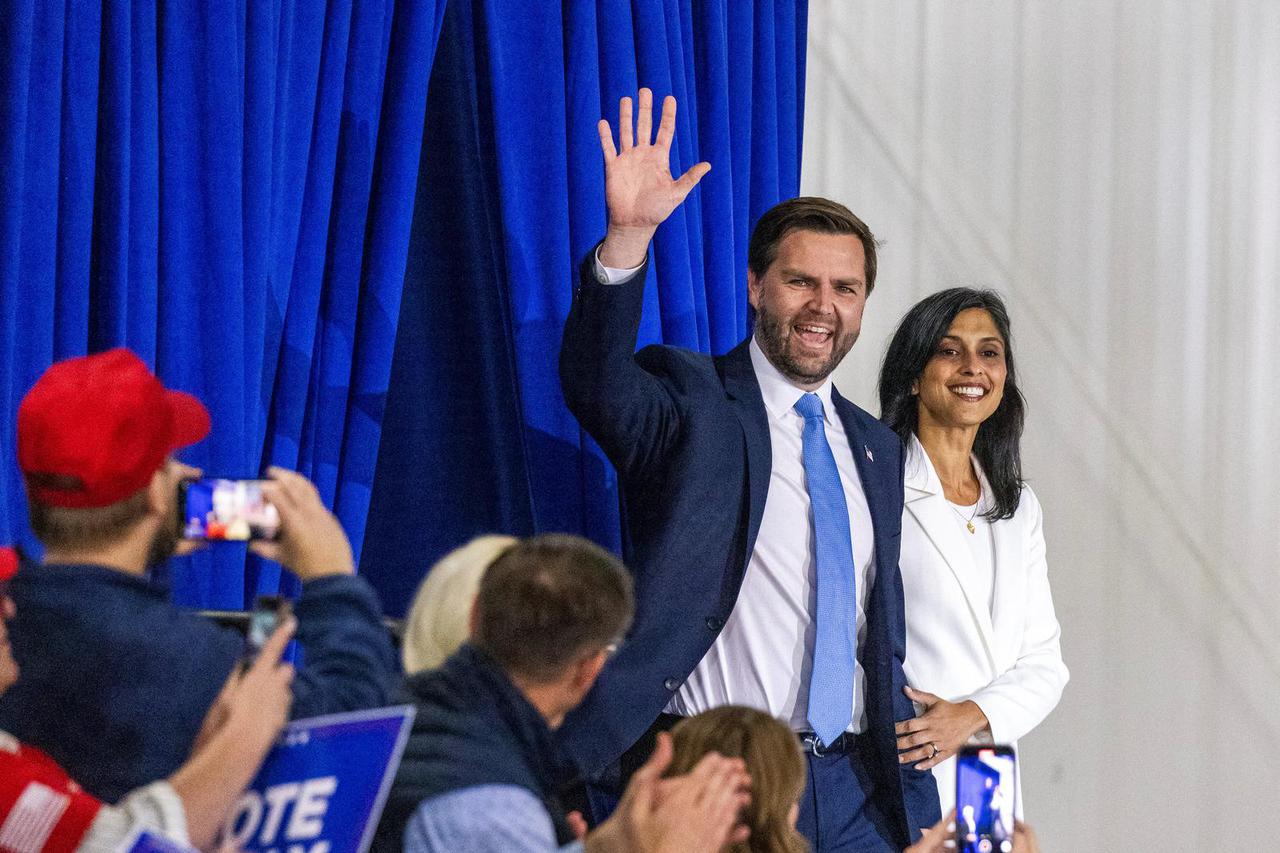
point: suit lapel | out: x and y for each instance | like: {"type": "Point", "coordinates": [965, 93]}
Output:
{"type": "Point", "coordinates": [878, 478]}
{"type": "Point", "coordinates": [743, 390]}
{"type": "Point", "coordinates": [880, 487]}
{"type": "Point", "coordinates": [927, 504]}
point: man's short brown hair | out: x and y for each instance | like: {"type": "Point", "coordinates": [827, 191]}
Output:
{"type": "Point", "coordinates": [65, 527]}
{"type": "Point", "coordinates": [807, 213]}
{"type": "Point", "coordinates": [547, 601]}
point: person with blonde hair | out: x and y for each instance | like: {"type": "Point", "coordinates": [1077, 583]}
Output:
{"type": "Point", "coordinates": [772, 756]}
{"type": "Point", "coordinates": [438, 620]}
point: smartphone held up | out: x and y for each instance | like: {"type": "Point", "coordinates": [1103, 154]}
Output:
{"type": "Point", "coordinates": [217, 509]}
{"type": "Point", "coordinates": [268, 612]}
{"type": "Point", "coordinates": [986, 789]}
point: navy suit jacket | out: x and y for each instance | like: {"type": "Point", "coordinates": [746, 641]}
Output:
{"type": "Point", "coordinates": [689, 436]}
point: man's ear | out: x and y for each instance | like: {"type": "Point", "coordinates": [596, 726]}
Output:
{"type": "Point", "coordinates": [587, 670]}
{"type": "Point", "coordinates": [160, 492]}
{"type": "Point", "coordinates": [163, 489]}
{"type": "Point", "coordinates": [754, 286]}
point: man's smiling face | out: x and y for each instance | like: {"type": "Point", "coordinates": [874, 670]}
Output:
{"type": "Point", "coordinates": [809, 304]}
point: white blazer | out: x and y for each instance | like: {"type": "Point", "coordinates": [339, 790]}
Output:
{"type": "Point", "coordinates": [1004, 657]}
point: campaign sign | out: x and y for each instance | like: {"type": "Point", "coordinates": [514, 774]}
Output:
{"type": "Point", "coordinates": [323, 785]}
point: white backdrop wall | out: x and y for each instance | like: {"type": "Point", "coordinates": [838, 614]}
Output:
{"type": "Point", "coordinates": [1113, 168]}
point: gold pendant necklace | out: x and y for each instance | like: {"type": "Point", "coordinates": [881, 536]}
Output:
{"type": "Point", "coordinates": [968, 522]}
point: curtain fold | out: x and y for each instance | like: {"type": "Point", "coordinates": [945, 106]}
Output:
{"type": "Point", "coordinates": [476, 435]}
{"type": "Point", "coordinates": [227, 191]}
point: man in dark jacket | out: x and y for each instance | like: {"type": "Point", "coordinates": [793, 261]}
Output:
{"type": "Point", "coordinates": [117, 681]}
{"type": "Point", "coordinates": [482, 772]}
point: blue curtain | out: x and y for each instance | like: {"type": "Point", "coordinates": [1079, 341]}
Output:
{"type": "Point", "coordinates": [511, 195]}
{"type": "Point", "coordinates": [226, 188]}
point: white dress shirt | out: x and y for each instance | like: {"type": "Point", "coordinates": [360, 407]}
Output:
{"type": "Point", "coordinates": [763, 656]}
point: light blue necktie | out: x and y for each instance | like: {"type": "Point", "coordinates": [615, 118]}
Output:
{"type": "Point", "coordinates": [835, 643]}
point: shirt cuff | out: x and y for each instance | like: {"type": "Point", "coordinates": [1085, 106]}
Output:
{"type": "Point", "coordinates": [156, 807]}
{"type": "Point", "coordinates": [612, 275]}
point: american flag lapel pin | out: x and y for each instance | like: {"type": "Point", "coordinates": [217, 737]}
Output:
{"type": "Point", "coordinates": [870, 458]}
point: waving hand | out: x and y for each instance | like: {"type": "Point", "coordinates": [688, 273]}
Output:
{"type": "Point", "coordinates": [640, 191]}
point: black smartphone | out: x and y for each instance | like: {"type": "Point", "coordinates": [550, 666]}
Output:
{"type": "Point", "coordinates": [986, 790]}
{"type": "Point", "coordinates": [218, 509]}
{"type": "Point", "coordinates": [268, 612]}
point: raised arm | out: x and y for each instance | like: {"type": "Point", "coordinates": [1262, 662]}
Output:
{"type": "Point", "coordinates": [348, 663]}
{"type": "Point", "coordinates": [626, 409]}
{"type": "Point", "coordinates": [241, 727]}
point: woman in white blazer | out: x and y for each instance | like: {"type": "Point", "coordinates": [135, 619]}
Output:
{"type": "Point", "coordinates": [983, 660]}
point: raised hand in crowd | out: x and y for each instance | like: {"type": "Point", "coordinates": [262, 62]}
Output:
{"type": "Point", "coordinates": [241, 727]}
{"type": "Point", "coordinates": [177, 472]}
{"type": "Point", "coordinates": [935, 838]}
{"type": "Point", "coordinates": [640, 191]}
{"type": "Point", "coordinates": [1024, 839]}
{"type": "Point", "coordinates": [938, 733]}
{"type": "Point", "coordinates": [312, 543]}
{"type": "Point", "coordinates": [698, 812]}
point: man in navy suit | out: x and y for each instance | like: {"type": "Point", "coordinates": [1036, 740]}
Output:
{"type": "Point", "coordinates": [763, 510]}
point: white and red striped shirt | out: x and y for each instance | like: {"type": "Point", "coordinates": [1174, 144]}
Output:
{"type": "Point", "coordinates": [41, 807]}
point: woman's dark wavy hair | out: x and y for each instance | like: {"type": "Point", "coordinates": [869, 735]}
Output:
{"type": "Point", "coordinates": [913, 344]}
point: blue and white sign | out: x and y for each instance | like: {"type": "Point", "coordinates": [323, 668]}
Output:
{"type": "Point", "coordinates": [323, 785]}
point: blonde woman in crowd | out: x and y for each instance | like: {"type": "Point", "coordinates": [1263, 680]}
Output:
{"type": "Point", "coordinates": [438, 620]}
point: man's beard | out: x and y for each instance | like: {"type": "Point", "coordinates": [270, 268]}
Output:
{"type": "Point", "coordinates": [773, 337]}
{"type": "Point", "coordinates": [164, 544]}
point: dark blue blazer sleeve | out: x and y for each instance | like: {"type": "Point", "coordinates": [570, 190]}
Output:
{"type": "Point", "coordinates": [628, 411]}
{"type": "Point", "coordinates": [348, 662]}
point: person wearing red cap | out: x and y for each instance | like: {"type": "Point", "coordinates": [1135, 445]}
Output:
{"type": "Point", "coordinates": [117, 680]}
{"type": "Point", "coordinates": [43, 808]}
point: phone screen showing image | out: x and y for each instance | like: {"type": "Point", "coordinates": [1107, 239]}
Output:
{"type": "Point", "coordinates": [262, 624]}
{"type": "Point", "coordinates": [268, 611]}
{"type": "Point", "coordinates": [986, 785]}
{"type": "Point", "coordinates": [217, 509]}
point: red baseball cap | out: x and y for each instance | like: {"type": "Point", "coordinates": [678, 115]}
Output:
{"type": "Point", "coordinates": [93, 430]}
{"type": "Point", "coordinates": [8, 564]}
